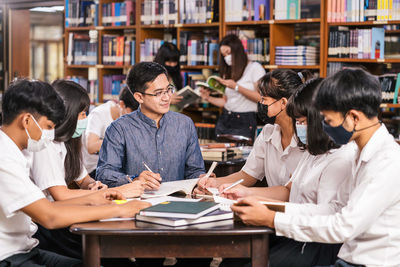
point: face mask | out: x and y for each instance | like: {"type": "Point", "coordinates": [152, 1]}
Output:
{"type": "Point", "coordinates": [228, 60]}
{"type": "Point", "coordinates": [172, 70]}
{"type": "Point", "coordinates": [45, 139]}
{"type": "Point", "coordinates": [80, 128]}
{"type": "Point", "coordinates": [301, 130]}
{"type": "Point", "coordinates": [338, 134]}
{"type": "Point", "coordinates": [262, 113]}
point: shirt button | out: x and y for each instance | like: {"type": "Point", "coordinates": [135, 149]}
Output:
{"type": "Point", "coordinates": [158, 135]}
{"type": "Point", "coordinates": [160, 152]}
{"type": "Point", "coordinates": [162, 169]}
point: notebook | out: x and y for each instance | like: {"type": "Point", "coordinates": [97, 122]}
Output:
{"type": "Point", "coordinates": [167, 188]}
{"type": "Point", "coordinates": [180, 209]}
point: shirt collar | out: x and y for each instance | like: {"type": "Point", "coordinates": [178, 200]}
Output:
{"type": "Point", "coordinates": [149, 121]}
{"type": "Point", "coordinates": [275, 138]}
{"type": "Point", "coordinates": [12, 147]}
{"type": "Point", "coordinates": [375, 143]}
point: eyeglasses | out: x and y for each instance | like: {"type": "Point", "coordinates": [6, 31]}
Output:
{"type": "Point", "coordinates": [170, 90]}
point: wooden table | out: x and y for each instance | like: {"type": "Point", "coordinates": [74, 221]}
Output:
{"type": "Point", "coordinates": [125, 239]}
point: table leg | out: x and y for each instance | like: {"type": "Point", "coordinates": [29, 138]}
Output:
{"type": "Point", "coordinates": [259, 250]}
{"type": "Point", "coordinates": [91, 250]}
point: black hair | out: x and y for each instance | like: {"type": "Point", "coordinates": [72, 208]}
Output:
{"type": "Point", "coordinates": [279, 83]}
{"type": "Point", "coordinates": [129, 101]}
{"type": "Point", "coordinates": [142, 73]}
{"type": "Point", "coordinates": [300, 104]}
{"type": "Point", "coordinates": [239, 58]}
{"type": "Point", "coordinates": [76, 100]}
{"type": "Point", "coordinates": [348, 89]}
{"type": "Point", "coordinates": [36, 97]}
{"type": "Point", "coordinates": [169, 52]}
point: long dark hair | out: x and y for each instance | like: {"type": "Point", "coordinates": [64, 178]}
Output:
{"type": "Point", "coordinates": [239, 58]}
{"type": "Point", "coordinates": [169, 52]}
{"type": "Point", "coordinates": [76, 100]}
{"type": "Point", "coordinates": [301, 105]}
{"type": "Point", "coordinates": [279, 83]}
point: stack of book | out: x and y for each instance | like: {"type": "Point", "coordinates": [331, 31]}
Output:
{"type": "Point", "coordinates": [81, 49]}
{"type": "Point", "coordinates": [119, 13]}
{"type": "Point", "coordinates": [81, 13]}
{"type": "Point", "coordinates": [198, 11]}
{"type": "Point", "coordinates": [296, 55]}
{"type": "Point", "coordinates": [159, 12]}
{"type": "Point", "coordinates": [356, 43]}
{"type": "Point", "coordinates": [112, 85]}
{"type": "Point", "coordinates": [219, 154]}
{"type": "Point", "coordinates": [251, 10]}
{"type": "Point", "coordinates": [363, 10]}
{"type": "Point", "coordinates": [119, 50]}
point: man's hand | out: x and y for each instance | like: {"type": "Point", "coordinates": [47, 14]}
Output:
{"type": "Point", "coordinates": [102, 197]}
{"type": "Point", "coordinates": [252, 212]}
{"type": "Point", "coordinates": [97, 186]}
{"type": "Point", "coordinates": [203, 183]}
{"type": "Point", "coordinates": [238, 191]}
{"type": "Point", "coordinates": [150, 180]}
{"type": "Point", "coordinates": [134, 189]}
{"type": "Point", "coordinates": [130, 208]}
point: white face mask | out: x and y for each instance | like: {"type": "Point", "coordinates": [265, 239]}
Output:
{"type": "Point", "coordinates": [45, 139]}
{"type": "Point", "coordinates": [228, 60]}
{"type": "Point", "coordinates": [301, 130]}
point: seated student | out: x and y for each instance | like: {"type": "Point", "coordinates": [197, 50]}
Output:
{"type": "Point", "coordinates": [30, 111]}
{"type": "Point", "coordinates": [320, 173]}
{"type": "Point", "coordinates": [275, 153]}
{"type": "Point", "coordinates": [165, 140]}
{"type": "Point", "coordinates": [98, 121]}
{"type": "Point", "coordinates": [368, 224]}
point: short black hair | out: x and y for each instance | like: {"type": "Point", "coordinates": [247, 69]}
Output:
{"type": "Point", "coordinates": [142, 73]}
{"type": "Point", "coordinates": [129, 100]}
{"type": "Point", "coordinates": [349, 89]}
{"type": "Point", "coordinates": [279, 83]}
{"type": "Point", "coordinates": [300, 104]}
{"type": "Point", "coordinates": [36, 97]}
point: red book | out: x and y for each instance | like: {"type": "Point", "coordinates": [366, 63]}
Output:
{"type": "Point", "coordinates": [120, 50]}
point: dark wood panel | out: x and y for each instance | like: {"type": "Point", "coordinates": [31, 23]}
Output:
{"type": "Point", "coordinates": [20, 45]}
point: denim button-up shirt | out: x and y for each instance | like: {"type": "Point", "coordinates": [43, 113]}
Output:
{"type": "Point", "coordinates": [172, 149]}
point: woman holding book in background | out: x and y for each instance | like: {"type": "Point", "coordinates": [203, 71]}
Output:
{"type": "Point", "coordinates": [240, 76]}
{"type": "Point", "coordinates": [168, 56]}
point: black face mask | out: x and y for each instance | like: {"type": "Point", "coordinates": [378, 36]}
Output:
{"type": "Point", "coordinates": [172, 70]}
{"type": "Point", "coordinates": [262, 113]}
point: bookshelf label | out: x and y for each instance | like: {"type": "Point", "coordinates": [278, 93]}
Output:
{"type": "Point", "coordinates": [99, 66]}
{"type": "Point", "coordinates": [271, 21]}
{"type": "Point", "coordinates": [309, 20]}
{"type": "Point", "coordinates": [380, 60]}
{"type": "Point", "coordinates": [179, 25]}
{"type": "Point", "coordinates": [380, 22]}
{"type": "Point", "coordinates": [99, 28]}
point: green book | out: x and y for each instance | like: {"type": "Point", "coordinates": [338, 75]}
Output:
{"type": "Point", "coordinates": [213, 84]}
{"type": "Point", "coordinates": [180, 209]}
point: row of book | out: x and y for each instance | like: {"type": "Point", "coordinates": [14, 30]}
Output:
{"type": "Point", "coordinates": [149, 48]}
{"type": "Point", "coordinates": [119, 50]}
{"type": "Point", "coordinates": [356, 43]}
{"type": "Point", "coordinates": [363, 10]}
{"type": "Point", "coordinates": [112, 85]}
{"type": "Point", "coordinates": [257, 49]}
{"type": "Point", "coordinates": [247, 10]}
{"type": "Point", "coordinates": [205, 132]}
{"type": "Point", "coordinates": [198, 49]}
{"type": "Point", "coordinates": [392, 48]}
{"type": "Point", "coordinates": [287, 9]}
{"type": "Point", "coordinates": [159, 12]}
{"type": "Point", "coordinates": [81, 13]}
{"type": "Point", "coordinates": [91, 86]}
{"type": "Point", "coordinates": [82, 50]}
{"type": "Point", "coordinates": [198, 11]}
{"type": "Point", "coordinates": [119, 13]}
{"type": "Point", "coordinates": [296, 55]}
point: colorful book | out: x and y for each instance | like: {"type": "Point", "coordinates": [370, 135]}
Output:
{"type": "Point", "coordinates": [213, 84]}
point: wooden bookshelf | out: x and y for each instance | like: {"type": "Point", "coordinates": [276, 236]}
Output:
{"type": "Point", "coordinates": [365, 60]}
{"type": "Point", "coordinates": [389, 105]}
{"type": "Point", "coordinates": [364, 23]}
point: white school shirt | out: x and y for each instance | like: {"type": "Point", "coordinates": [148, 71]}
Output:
{"type": "Point", "coordinates": [98, 121]}
{"type": "Point", "coordinates": [317, 179]}
{"type": "Point", "coordinates": [368, 225]}
{"type": "Point", "coordinates": [47, 167]}
{"type": "Point", "coordinates": [237, 102]}
{"type": "Point", "coordinates": [267, 158]}
{"type": "Point", "coordinates": [16, 192]}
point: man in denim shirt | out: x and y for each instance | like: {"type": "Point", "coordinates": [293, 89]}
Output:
{"type": "Point", "coordinates": [165, 141]}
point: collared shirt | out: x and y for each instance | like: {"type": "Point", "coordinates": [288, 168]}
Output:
{"type": "Point", "coordinates": [172, 150]}
{"type": "Point", "coordinates": [47, 167]}
{"type": "Point", "coordinates": [16, 192]}
{"type": "Point", "coordinates": [268, 158]}
{"type": "Point", "coordinates": [368, 225]}
{"type": "Point", "coordinates": [317, 179]}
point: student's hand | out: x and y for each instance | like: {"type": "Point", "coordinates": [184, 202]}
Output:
{"type": "Point", "coordinates": [134, 189]}
{"type": "Point", "coordinates": [150, 180]}
{"type": "Point", "coordinates": [175, 98]}
{"type": "Point", "coordinates": [203, 183]}
{"type": "Point", "coordinates": [228, 83]}
{"type": "Point", "coordinates": [130, 208]}
{"type": "Point", "coordinates": [252, 212]}
{"type": "Point", "coordinates": [238, 191]}
{"type": "Point", "coordinates": [97, 186]}
{"type": "Point", "coordinates": [204, 93]}
{"type": "Point", "coordinates": [103, 197]}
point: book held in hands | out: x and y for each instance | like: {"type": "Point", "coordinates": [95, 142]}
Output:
{"type": "Point", "coordinates": [213, 84]}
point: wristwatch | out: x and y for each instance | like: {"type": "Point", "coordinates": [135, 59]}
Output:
{"type": "Point", "coordinates": [237, 88]}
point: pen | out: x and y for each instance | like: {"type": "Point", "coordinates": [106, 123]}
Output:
{"type": "Point", "coordinates": [232, 185]}
{"type": "Point", "coordinates": [147, 167]}
{"type": "Point", "coordinates": [213, 165]}
{"type": "Point", "coordinates": [128, 178]}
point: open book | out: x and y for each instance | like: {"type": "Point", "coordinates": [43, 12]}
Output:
{"type": "Point", "coordinates": [189, 95]}
{"type": "Point", "coordinates": [213, 84]}
{"type": "Point", "coordinates": [168, 188]}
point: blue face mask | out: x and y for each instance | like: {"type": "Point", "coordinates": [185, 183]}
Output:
{"type": "Point", "coordinates": [338, 134]}
{"type": "Point", "coordinates": [301, 130]}
{"type": "Point", "coordinates": [80, 128]}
